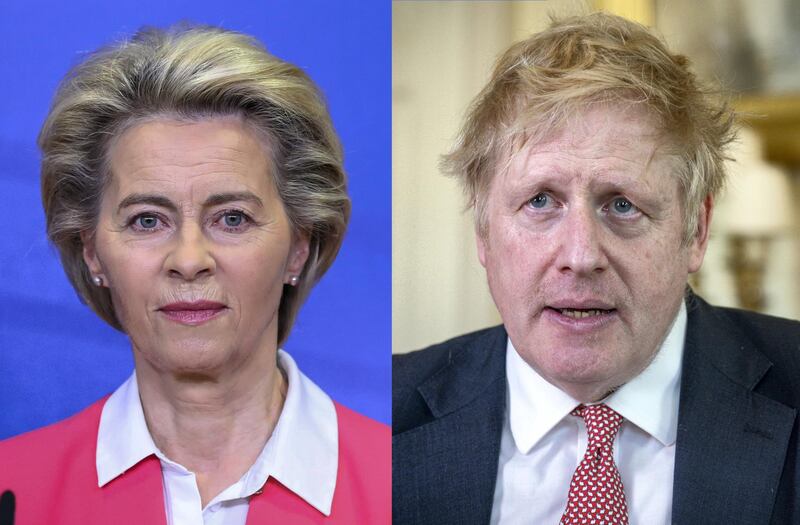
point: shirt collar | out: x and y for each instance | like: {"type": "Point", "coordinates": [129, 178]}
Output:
{"type": "Point", "coordinates": [650, 400]}
{"type": "Point", "coordinates": [534, 405]}
{"type": "Point", "coordinates": [123, 439]}
{"type": "Point", "coordinates": [302, 452]}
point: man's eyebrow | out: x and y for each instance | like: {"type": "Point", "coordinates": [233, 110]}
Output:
{"type": "Point", "coordinates": [224, 198]}
{"type": "Point", "coordinates": [147, 198]}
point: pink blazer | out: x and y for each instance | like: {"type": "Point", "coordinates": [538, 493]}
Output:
{"type": "Point", "coordinates": [53, 476]}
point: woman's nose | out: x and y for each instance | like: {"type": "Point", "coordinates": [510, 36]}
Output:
{"type": "Point", "coordinates": [190, 256]}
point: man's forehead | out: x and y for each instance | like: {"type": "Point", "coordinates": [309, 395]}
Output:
{"type": "Point", "coordinates": [615, 135]}
{"type": "Point", "coordinates": [584, 124]}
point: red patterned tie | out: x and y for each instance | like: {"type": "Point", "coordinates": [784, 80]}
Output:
{"type": "Point", "coordinates": [596, 496]}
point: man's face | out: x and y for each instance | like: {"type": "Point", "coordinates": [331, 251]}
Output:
{"type": "Point", "coordinates": [583, 250]}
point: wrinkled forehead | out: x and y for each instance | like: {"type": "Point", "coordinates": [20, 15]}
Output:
{"type": "Point", "coordinates": [207, 155]}
{"type": "Point", "coordinates": [232, 129]}
{"type": "Point", "coordinates": [615, 133]}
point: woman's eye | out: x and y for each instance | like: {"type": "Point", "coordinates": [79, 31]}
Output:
{"type": "Point", "coordinates": [539, 201]}
{"type": "Point", "coordinates": [622, 206]}
{"type": "Point", "coordinates": [233, 219]}
{"type": "Point", "coordinates": [146, 222]}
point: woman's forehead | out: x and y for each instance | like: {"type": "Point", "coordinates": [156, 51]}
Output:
{"type": "Point", "coordinates": [205, 156]}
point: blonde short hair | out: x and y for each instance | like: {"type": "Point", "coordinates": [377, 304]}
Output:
{"type": "Point", "coordinates": [191, 72]}
{"type": "Point", "coordinates": [539, 83]}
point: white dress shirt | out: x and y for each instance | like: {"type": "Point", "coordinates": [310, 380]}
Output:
{"type": "Point", "coordinates": [542, 445]}
{"type": "Point", "coordinates": [302, 453]}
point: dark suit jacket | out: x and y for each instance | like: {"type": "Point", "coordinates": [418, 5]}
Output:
{"type": "Point", "coordinates": [736, 458]}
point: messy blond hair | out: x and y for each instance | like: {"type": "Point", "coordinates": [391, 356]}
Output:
{"type": "Point", "coordinates": [540, 83]}
{"type": "Point", "coordinates": [190, 73]}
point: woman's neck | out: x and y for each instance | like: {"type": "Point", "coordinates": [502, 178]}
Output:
{"type": "Point", "coordinates": [214, 425]}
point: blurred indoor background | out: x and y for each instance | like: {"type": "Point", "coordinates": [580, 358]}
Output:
{"type": "Point", "coordinates": [442, 56]}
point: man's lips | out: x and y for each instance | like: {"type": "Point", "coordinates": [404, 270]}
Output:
{"type": "Point", "coordinates": [193, 313]}
{"type": "Point", "coordinates": [580, 304]}
{"type": "Point", "coordinates": [575, 313]}
{"type": "Point", "coordinates": [584, 313]}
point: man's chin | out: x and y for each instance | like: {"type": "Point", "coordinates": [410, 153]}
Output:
{"type": "Point", "coordinates": [587, 388]}
{"type": "Point", "coordinates": [576, 369]}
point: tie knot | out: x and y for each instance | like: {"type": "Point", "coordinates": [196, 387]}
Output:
{"type": "Point", "coordinates": [602, 422]}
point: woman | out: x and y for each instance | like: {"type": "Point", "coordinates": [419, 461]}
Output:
{"type": "Point", "coordinates": [193, 185]}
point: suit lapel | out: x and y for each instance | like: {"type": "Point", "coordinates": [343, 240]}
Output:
{"type": "Point", "coordinates": [455, 455]}
{"type": "Point", "coordinates": [731, 441]}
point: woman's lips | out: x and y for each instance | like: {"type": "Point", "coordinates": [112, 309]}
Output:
{"type": "Point", "coordinates": [193, 314]}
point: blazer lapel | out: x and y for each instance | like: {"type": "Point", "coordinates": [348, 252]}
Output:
{"type": "Point", "coordinates": [455, 456]}
{"type": "Point", "coordinates": [135, 497]}
{"type": "Point", "coordinates": [731, 441]}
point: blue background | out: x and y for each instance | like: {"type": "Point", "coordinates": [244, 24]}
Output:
{"type": "Point", "coordinates": [56, 356]}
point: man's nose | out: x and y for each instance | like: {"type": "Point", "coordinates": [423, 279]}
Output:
{"type": "Point", "coordinates": [581, 248]}
{"type": "Point", "coordinates": [190, 257]}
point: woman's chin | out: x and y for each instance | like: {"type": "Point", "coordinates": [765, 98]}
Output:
{"type": "Point", "coordinates": [188, 361]}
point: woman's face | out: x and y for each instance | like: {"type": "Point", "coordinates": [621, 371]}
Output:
{"type": "Point", "coordinates": [194, 244]}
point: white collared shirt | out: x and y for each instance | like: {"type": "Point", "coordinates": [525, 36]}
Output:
{"type": "Point", "coordinates": [542, 445]}
{"type": "Point", "coordinates": [301, 453]}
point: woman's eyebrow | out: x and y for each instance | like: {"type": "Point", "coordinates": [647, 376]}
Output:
{"type": "Point", "coordinates": [146, 198]}
{"type": "Point", "coordinates": [213, 200]}
{"type": "Point", "coordinates": [223, 198]}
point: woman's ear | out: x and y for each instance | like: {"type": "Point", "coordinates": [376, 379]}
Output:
{"type": "Point", "coordinates": [298, 255]}
{"type": "Point", "coordinates": [90, 255]}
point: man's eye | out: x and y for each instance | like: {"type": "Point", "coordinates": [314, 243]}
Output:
{"type": "Point", "coordinates": [622, 206]}
{"type": "Point", "coordinates": [539, 201]}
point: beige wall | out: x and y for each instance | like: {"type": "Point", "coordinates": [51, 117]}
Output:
{"type": "Point", "coordinates": [442, 55]}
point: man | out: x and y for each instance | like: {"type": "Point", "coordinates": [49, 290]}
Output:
{"type": "Point", "coordinates": [610, 394]}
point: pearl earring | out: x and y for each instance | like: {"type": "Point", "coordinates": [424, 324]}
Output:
{"type": "Point", "coordinates": [293, 280]}
{"type": "Point", "coordinates": [97, 280]}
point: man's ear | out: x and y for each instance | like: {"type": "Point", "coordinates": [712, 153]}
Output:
{"type": "Point", "coordinates": [697, 248]}
{"type": "Point", "coordinates": [298, 255]}
{"type": "Point", "coordinates": [90, 255]}
{"type": "Point", "coordinates": [481, 241]}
